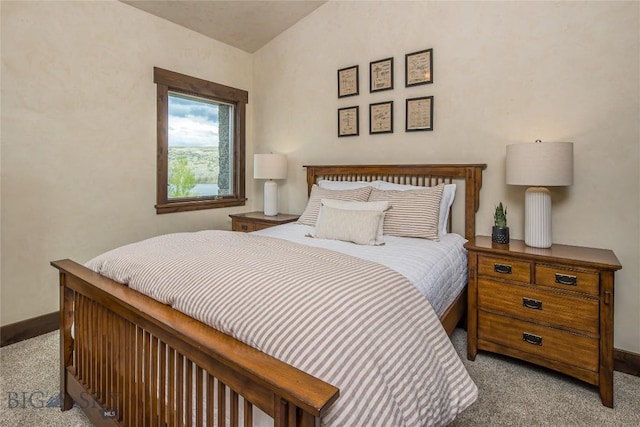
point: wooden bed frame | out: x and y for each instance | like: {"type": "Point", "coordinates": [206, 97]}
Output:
{"type": "Point", "coordinates": [134, 361]}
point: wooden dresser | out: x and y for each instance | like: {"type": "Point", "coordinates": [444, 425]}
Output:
{"type": "Point", "coordinates": [552, 307]}
{"type": "Point", "coordinates": [254, 221]}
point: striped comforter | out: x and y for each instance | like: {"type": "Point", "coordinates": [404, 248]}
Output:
{"type": "Point", "coordinates": [353, 323]}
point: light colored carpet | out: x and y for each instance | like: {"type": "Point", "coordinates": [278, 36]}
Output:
{"type": "Point", "coordinates": [516, 393]}
{"type": "Point", "coordinates": [512, 393]}
{"type": "Point", "coordinates": [29, 378]}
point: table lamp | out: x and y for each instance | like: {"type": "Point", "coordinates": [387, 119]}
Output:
{"type": "Point", "coordinates": [539, 165]}
{"type": "Point", "coordinates": [270, 167]}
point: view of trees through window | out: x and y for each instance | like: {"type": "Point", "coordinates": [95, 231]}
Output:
{"type": "Point", "coordinates": [199, 147]}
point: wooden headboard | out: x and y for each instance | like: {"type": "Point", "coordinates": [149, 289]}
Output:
{"type": "Point", "coordinates": [422, 175]}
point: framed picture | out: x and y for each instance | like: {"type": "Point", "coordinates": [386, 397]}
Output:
{"type": "Point", "coordinates": [420, 114]}
{"type": "Point", "coordinates": [381, 117]}
{"type": "Point", "coordinates": [418, 68]}
{"type": "Point", "coordinates": [381, 75]}
{"type": "Point", "coordinates": [349, 121]}
{"type": "Point", "coordinates": [348, 82]}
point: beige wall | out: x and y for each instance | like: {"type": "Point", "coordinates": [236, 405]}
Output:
{"type": "Point", "coordinates": [79, 135]}
{"type": "Point", "coordinates": [503, 73]}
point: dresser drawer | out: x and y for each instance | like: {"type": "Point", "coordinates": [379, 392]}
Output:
{"type": "Point", "coordinates": [568, 280]}
{"type": "Point", "coordinates": [502, 268]}
{"type": "Point", "coordinates": [550, 343]}
{"type": "Point", "coordinates": [261, 226]}
{"type": "Point", "coordinates": [245, 226]}
{"type": "Point", "coordinates": [535, 305]}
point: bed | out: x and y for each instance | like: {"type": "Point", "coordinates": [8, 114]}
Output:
{"type": "Point", "coordinates": [128, 359]}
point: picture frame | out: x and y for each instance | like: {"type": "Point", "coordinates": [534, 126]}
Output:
{"type": "Point", "coordinates": [419, 114]}
{"type": "Point", "coordinates": [381, 117]}
{"type": "Point", "coordinates": [348, 81]}
{"type": "Point", "coordinates": [418, 68]}
{"type": "Point", "coordinates": [381, 75]}
{"type": "Point", "coordinates": [349, 121]}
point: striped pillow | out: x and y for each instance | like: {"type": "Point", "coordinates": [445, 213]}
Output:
{"type": "Point", "coordinates": [413, 213]}
{"type": "Point", "coordinates": [310, 214]}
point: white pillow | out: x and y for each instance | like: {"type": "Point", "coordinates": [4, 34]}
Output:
{"type": "Point", "coordinates": [448, 196]}
{"type": "Point", "coordinates": [357, 226]}
{"type": "Point", "coordinates": [413, 213]}
{"type": "Point", "coordinates": [310, 214]}
{"type": "Point", "coordinates": [343, 185]}
{"type": "Point", "coordinates": [382, 206]}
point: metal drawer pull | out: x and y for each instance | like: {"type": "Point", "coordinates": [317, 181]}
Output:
{"type": "Point", "coordinates": [502, 268]}
{"type": "Point", "coordinates": [532, 303]}
{"type": "Point", "coordinates": [531, 339]}
{"type": "Point", "coordinates": [565, 279]}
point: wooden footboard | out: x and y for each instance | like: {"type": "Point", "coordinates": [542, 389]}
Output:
{"type": "Point", "coordinates": [134, 361]}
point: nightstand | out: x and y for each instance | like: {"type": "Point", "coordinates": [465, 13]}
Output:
{"type": "Point", "coordinates": [254, 221]}
{"type": "Point", "coordinates": [552, 307]}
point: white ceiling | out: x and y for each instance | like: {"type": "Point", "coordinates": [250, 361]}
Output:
{"type": "Point", "coordinates": [245, 24]}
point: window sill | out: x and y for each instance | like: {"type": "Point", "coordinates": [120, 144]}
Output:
{"type": "Point", "coordinates": [198, 205]}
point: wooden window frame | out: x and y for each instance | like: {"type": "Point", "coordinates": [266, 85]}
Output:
{"type": "Point", "coordinates": [167, 81]}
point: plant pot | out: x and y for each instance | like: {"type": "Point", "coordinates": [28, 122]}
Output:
{"type": "Point", "coordinates": [500, 235]}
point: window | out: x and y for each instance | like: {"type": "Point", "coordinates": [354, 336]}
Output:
{"type": "Point", "coordinates": [201, 143]}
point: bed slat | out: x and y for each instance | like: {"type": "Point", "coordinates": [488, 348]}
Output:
{"type": "Point", "coordinates": [247, 413]}
{"type": "Point", "coordinates": [222, 403]}
{"type": "Point", "coordinates": [180, 389]}
{"type": "Point", "coordinates": [162, 382]}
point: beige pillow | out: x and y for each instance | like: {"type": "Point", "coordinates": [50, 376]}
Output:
{"type": "Point", "coordinates": [360, 206]}
{"type": "Point", "coordinates": [310, 214]}
{"type": "Point", "coordinates": [357, 226]}
{"type": "Point", "coordinates": [413, 213]}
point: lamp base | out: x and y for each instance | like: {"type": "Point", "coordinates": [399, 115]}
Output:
{"type": "Point", "coordinates": [270, 198]}
{"type": "Point", "coordinates": [537, 217]}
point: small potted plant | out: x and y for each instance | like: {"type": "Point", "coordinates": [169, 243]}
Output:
{"type": "Point", "coordinates": [500, 232]}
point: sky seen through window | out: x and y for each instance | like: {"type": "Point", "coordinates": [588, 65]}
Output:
{"type": "Point", "coordinates": [193, 122]}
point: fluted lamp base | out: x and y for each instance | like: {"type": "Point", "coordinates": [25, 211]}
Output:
{"type": "Point", "coordinates": [270, 198]}
{"type": "Point", "coordinates": [537, 217]}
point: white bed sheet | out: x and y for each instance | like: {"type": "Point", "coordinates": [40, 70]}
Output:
{"type": "Point", "coordinates": [437, 269]}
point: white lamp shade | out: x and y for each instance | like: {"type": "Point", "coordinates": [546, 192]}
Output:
{"type": "Point", "coordinates": [269, 166]}
{"type": "Point", "coordinates": [541, 164]}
